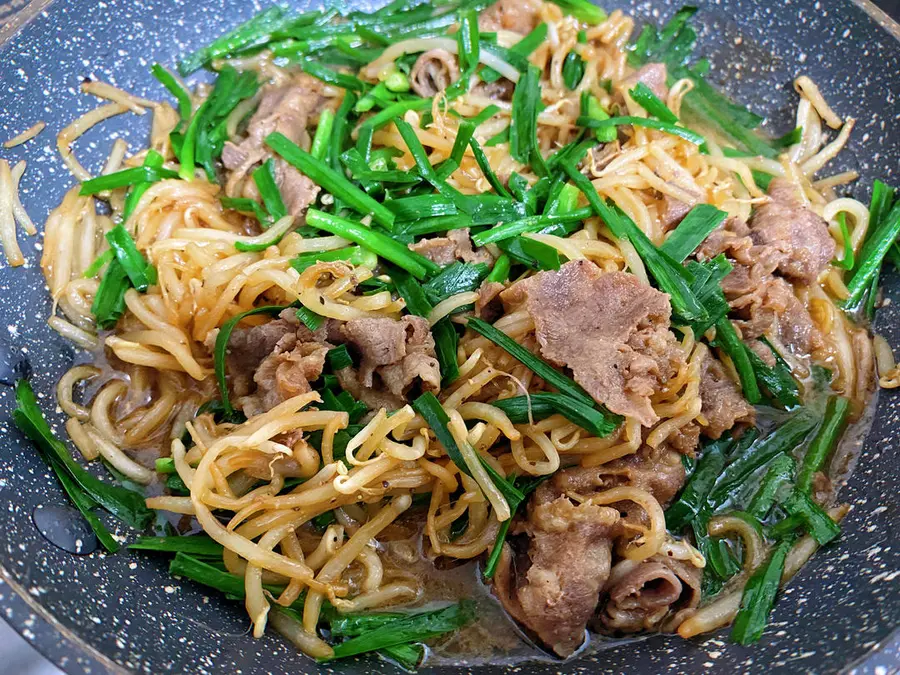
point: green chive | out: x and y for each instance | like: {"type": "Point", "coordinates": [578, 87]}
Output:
{"type": "Point", "coordinates": [666, 127]}
{"type": "Point", "coordinates": [335, 183]}
{"type": "Point", "coordinates": [644, 97]}
{"type": "Point", "coordinates": [124, 178]}
{"type": "Point", "coordinates": [264, 178]}
{"type": "Point", "coordinates": [836, 413]}
{"type": "Point", "coordinates": [139, 271]}
{"type": "Point", "coordinates": [693, 231]}
{"type": "Point", "coordinates": [759, 597]}
{"type": "Point", "coordinates": [383, 246]}
{"type": "Point", "coordinates": [322, 137]}
{"type": "Point", "coordinates": [541, 405]}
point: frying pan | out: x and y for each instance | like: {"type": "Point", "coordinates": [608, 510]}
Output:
{"type": "Point", "coordinates": [96, 613]}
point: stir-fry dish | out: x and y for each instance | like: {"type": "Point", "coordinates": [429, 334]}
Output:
{"type": "Point", "coordinates": [461, 332]}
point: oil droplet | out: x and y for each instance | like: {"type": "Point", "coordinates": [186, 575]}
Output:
{"type": "Point", "coordinates": [64, 527]}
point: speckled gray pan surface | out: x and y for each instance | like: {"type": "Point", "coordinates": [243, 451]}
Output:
{"type": "Point", "coordinates": [96, 613]}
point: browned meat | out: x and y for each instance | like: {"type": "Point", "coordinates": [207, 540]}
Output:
{"type": "Point", "coordinates": [640, 595]}
{"type": "Point", "coordinates": [433, 71]}
{"type": "Point", "coordinates": [672, 211]}
{"type": "Point", "coordinates": [400, 352]}
{"type": "Point", "coordinates": [764, 302]}
{"type": "Point", "coordinates": [686, 439]}
{"type": "Point", "coordinates": [488, 305]}
{"type": "Point", "coordinates": [297, 191]}
{"type": "Point", "coordinates": [498, 90]}
{"type": "Point", "coordinates": [608, 327]}
{"type": "Point", "coordinates": [763, 352]}
{"type": "Point", "coordinates": [653, 75]}
{"type": "Point", "coordinates": [773, 308]}
{"type": "Point", "coordinates": [800, 235]}
{"type": "Point", "coordinates": [281, 357]}
{"type": "Point", "coordinates": [285, 373]}
{"type": "Point", "coordinates": [455, 246]}
{"type": "Point", "coordinates": [519, 16]}
{"type": "Point", "coordinates": [658, 471]}
{"type": "Point", "coordinates": [723, 404]}
{"type": "Point", "coordinates": [553, 588]}
{"type": "Point", "coordinates": [284, 108]}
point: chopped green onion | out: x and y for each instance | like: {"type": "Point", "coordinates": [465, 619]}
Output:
{"type": "Point", "coordinates": [572, 70]}
{"type": "Point", "coordinates": [165, 464]}
{"type": "Point", "coordinates": [221, 348]}
{"type": "Point", "coordinates": [435, 224]}
{"type": "Point", "coordinates": [310, 319]}
{"type": "Point", "coordinates": [421, 207]}
{"type": "Point", "coordinates": [153, 160]}
{"type": "Point", "coordinates": [380, 244]}
{"type": "Point", "coordinates": [354, 255]}
{"type": "Point", "coordinates": [500, 272]}
{"type": "Point", "coordinates": [693, 231]}
{"type": "Point", "coordinates": [98, 263]}
{"type": "Point", "coordinates": [246, 205]}
{"type": "Point", "coordinates": [759, 597]}
{"type": "Point", "coordinates": [644, 97]}
{"type": "Point", "coordinates": [182, 95]}
{"type": "Point", "coordinates": [540, 367]}
{"type": "Point", "coordinates": [521, 50]}
{"type": "Point", "coordinates": [330, 76]}
{"type": "Point", "coordinates": [727, 338]}
{"type": "Point", "coordinates": [446, 341]}
{"type": "Point", "coordinates": [321, 174]}
{"type": "Point", "coordinates": [528, 224]}
{"type": "Point", "coordinates": [657, 125]}
{"type": "Point", "coordinates": [468, 39]}
{"type": "Point", "coordinates": [819, 524]}
{"type": "Point", "coordinates": [139, 271]}
{"type": "Point", "coordinates": [124, 178]}
{"type": "Point", "coordinates": [777, 379]}
{"type": "Point", "coordinates": [456, 278]}
{"type": "Point", "coordinates": [848, 260]}
{"type": "Point", "coordinates": [783, 439]}
{"type": "Point", "coordinates": [264, 178]}
{"type": "Point", "coordinates": [339, 358]}
{"type": "Point", "coordinates": [248, 33]}
{"type": "Point", "coordinates": [109, 302]}
{"type": "Point", "coordinates": [779, 474]}
{"type": "Point", "coordinates": [322, 137]}
{"type": "Point", "coordinates": [437, 419]}
{"type": "Point", "coordinates": [535, 254]}
{"type": "Point", "coordinates": [836, 412]}
{"type": "Point", "coordinates": [197, 545]}
{"type": "Point", "coordinates": [412, 628]}
{"type": "Point", "coordinates": [700, 484]}
{"type": "Point", "coordinates": [538, 406]}
{"type": "Point", "coordinates": [397, 82]}
{"type": "Point", "coordinates": [525, 106]}
{"type": "Point", "coordinates": [583, 10]}
{"type": "Point", "coordinates": [412, 293]}
{"type": "Point", "coordinates": [874, 249]}
{"type": "Point", "coordinates": [591, 108]}
{"type": "Point", "coordinates": [485, 166]}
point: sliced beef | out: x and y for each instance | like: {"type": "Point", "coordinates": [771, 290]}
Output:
{"type": "Point", "coordinates": [763, 301]}
{"type": "Point", "coordinates": [519, 16]}
{"type": "Point", "coordinates": [498, 90]}
{"type": "Point", "coordinates": [671, 211]}
{"type": "Point", "coordinates": [285, 373]}
{"type": "Point", "coordinates": [653, 75]}
{"type": "Point", "coordinates": [400, 352]}
{"type": "Point", "coordinates": [772, 308]}
{"type": "Point", "coordinates": [723, 404]}
{"type": "Point", "coordinates": [488, 306]}
{"type": "Point", "coordinates": [608, 327]}
{"type": "Point", "coordinates": [279, 357]}
{"type": "Point", "coordinates": [433, 71]}
{"type": "Point", "coordinates": [658, 471]}
{"type": "Point", "coordinates": [287, 109]}
{"type": "Point", "coordinates": [640, 595]}
{"type": "Point", "coordinates": [800, 235]}
{"type": "Point", "coordinates": [457, 245]}
{"type": "Point", "coordinates": [552, 587]}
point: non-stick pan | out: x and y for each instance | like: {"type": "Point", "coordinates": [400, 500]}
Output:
{"type": "Point", "coordinates": [96, 613]}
